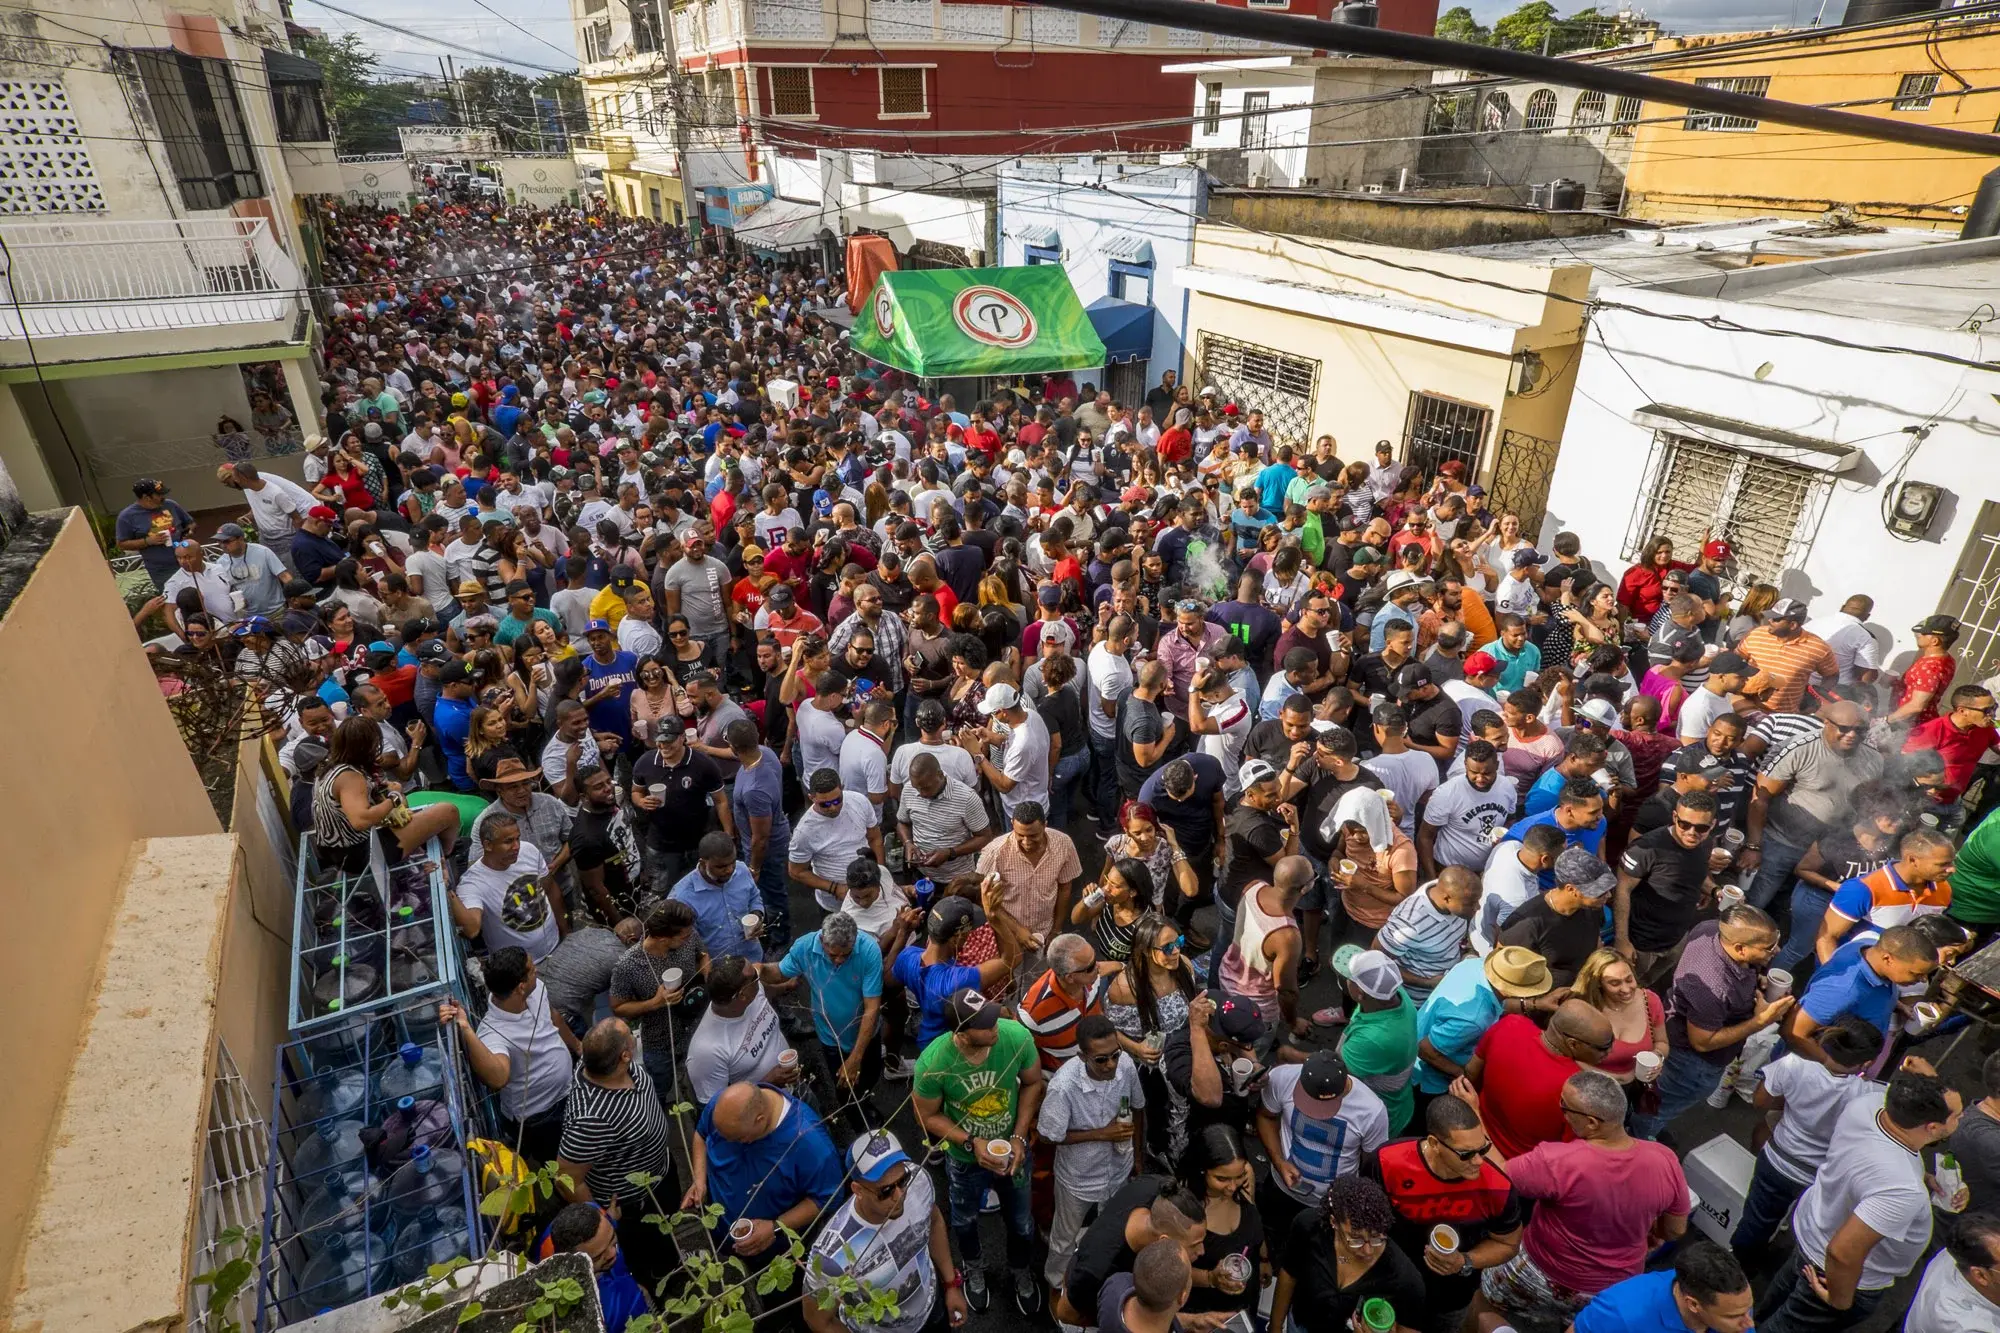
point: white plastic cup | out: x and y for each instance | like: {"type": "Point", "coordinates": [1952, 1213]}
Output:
{"type": "Point", "coordinates": [1728, 896]}
{"type": "Point", "coordinates": [1240, 1070]}
{"type": "Point", "coordinates": [1236, 1266]}
{"type": "Point", "coordinates": [238, 601]}
{"type": "Point", "coordinates": [751, 921]}
{"type": "Point", "coordinates": [670, 980]}
{"type": "Point", "coordinates": [1348, 868]}
{"type": "Point", "coordinates": [1444, 1239]}
{"type": "Point", "coordinates": [1001, 1149]}
{"type": "Point", "coordinates": [739, 1231]}
{"type": "Point", "coordinates": [1732, 838]}
{"type": "Point", "coordinates": [658, 791]}
{"type": "Point", "coordinates": [1497, 834]}
{"type": "Point", "coordinates": [788, 1059]}
{"type": "Point", "coordinates": [1646, 1066]}
{"type": "Point", "coordinates": [1777, 982]}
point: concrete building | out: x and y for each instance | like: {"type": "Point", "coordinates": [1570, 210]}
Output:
{"type": "Point", "coordinates": [1936, 68]}
{"type": "Point", "coordinates": [1121, 230]}
{"type": "Point", "coordinates": [1856, 467]}
{"type": "Point", "coordinates": [1271, 122]}
{"type": "Point", "coordinates": [149, 162]}
{"type": "Point", "coordinates": [1446, 355]}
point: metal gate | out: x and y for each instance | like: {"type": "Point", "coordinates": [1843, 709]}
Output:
{"type": "Point", "coordinates": [1438, 430]}
{"type": "Point", "coordinates": [1263, 379]}
{"type": "Point", "coordinates": [1522, 467]}
{"type": "Point", "coordinates": [1125, 381]}
{"type": "Point", "coordinates": [1973, 595]}
{"type": "Point", "coordinates": [1768, 510]}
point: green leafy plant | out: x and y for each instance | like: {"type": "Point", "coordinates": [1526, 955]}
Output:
{"type": "Point", "coordinates": [226, 1282]}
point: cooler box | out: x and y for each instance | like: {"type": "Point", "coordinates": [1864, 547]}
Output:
{"type": "Point", "coordinates": [1718, 1177]}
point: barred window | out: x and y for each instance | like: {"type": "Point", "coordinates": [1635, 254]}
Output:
{"type": "Point", "coordinates": [1915, 92]}
{"type": "Point", "coordinates": [792, 91]}
{"type": "Point", "coordinates": [1749, 85]}
{"type": "Point", "coordinates": [903, 91]}
{"type": "Point", "coordinates": [1764, 508]}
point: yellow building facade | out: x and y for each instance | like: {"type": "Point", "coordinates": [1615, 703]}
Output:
{"type": "Point", "coordinates": [1929, 69]}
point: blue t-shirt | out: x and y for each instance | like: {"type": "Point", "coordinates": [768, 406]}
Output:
{"type": "Point", "coordinates": [836, 994]}
{"type": "Point", "coordinates": [614, 714]}
{"type": "Point", "coordinates": [452, 720]}
{"type": "Point", "coordinates": [1845, 984]}
{"type": "Point", "coordinates": [769, 1176]}
{"type": "Point", "coordinates": [1514, 667]}
{"type": "Point", "coordinates": [1390, 614]}
{"type": "Point", "coordinates": [1542, 796]}
{"type": "Point", "coordinates": [1454, 1018]}
{"type": "Point", "coordinates": [719, 911]}
{"type": "Point", "coordinates": [1642, 1304]}
{"type": "Point", "coordinates": [760, 791]}
{"type": "Point", "coordinates": [313, 554]}
{"type": "Point", "coordinates": [932, 986]}
{"type": "Point", "coordinates": [136, 521]}
{"type": "Point", "coordinates": [1590, 839]}
{"type": "Point", "coordinates": [1272, 483]}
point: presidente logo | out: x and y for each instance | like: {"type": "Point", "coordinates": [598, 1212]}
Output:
{"type": "Point", "coordinates": [885, 311]}
{"type": "Point", "coordinates": [993, 317]}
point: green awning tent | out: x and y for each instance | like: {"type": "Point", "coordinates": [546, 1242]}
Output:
{"type": "Point", "coordinates": [941, 322]}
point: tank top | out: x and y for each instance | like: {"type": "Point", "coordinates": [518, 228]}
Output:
{"type": "Point", "coordinates": [1246, 972]}
{"type": "Point", "coordinates": [331, 827]}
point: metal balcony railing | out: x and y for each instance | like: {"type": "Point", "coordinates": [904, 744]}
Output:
{"type": "Point", "coordinates": [88, 276]}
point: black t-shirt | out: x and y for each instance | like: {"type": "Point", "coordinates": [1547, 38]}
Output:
{"type": "Point", "coordinates": [1254, 839]}
{"type": "Point", "coordinates": [1565, 941]}
{"type": "Point", "coordinates": [1670, 878]}
{"type": "Point", "coordinates": [603, 838]}
{"type": "Point", "coordinates": [1267, 741]}
{"type": "Point", "coordinates": [1372, 673]}
{"type": "Point", "coordinates": [678, 825]}
{"type": "Point", "coordinates": [1319, 1303]}
{"type": "Point", "coordinates": [1247, 1240]}
{"type": "Point", "coordinates": [1139, 720]}
{"type": "Point", "coordinates": [1842, 857]}
{"type": "Point", "coordinates": [1192, 820]}
{"type": "Point", "coordinates": [1476, 1209]}
{"type": "Point", "coordinates": [1436, 721]}
{"type": "Point", "coordinates": [1063, 714]}
{"type": "Point", "coordinates": [1656, 811]}
{"type": "Point", "coordinates": [1321, 797]}
{"type": "Point", "coordinates": [1101, 1250]}
{"type": "Point", "coordinates": [1236, 1109]}
{"type": "Point", "coordinates": [1111, 1306]}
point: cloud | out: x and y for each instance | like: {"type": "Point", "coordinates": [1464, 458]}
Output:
{"type": "Point", "coordinates": [460, 25]}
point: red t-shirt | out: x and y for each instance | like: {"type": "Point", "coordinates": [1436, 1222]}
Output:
{"type": "Point", "coordinates": [1474, 1208]}
{"type": "Point", "coordinates": [1961, 749]}
{"type": "Point", "coordinates": [1597, 1208]}
{"type": "Point", "coordinates": [788, 568]}
{"type": "Point", "coordinates": [947, 601]}
{"type": "Point", "coordinates": [1520, 1095]}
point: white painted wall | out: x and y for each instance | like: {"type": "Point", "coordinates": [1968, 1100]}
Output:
{"type": "Point", "coordinates": [1862, 398]}
{"type": "Point", "coordinates": [1288, 126]}
{"type": "Point", "coordinates": [906, 216]}
{"type": "Point", "coordinates": [1160, 203]}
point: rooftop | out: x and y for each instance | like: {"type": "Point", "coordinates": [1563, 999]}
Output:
{"type": "Point", "coordinates": [1702, 252]}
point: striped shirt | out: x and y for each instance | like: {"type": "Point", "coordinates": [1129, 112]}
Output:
{"type": "Point", "coordinates": [1051, 1018]}
{"type": "Point", "coordinates": [615, 1132]}
{"type": "Point", "coordinates": [1782, 733]}
{"type": "Point", "coordinates": [1790, 663]}
{"type": "Point", "coordinates": [941, 822]}
{"type": "Point", "coordinates": [1423, 938]}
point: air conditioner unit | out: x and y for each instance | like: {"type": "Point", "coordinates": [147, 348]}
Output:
{"type": "Point", "coordinates": [1259, 180]}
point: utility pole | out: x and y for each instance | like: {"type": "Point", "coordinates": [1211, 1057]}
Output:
{"type": "Point", "coordinates": [677, 107]}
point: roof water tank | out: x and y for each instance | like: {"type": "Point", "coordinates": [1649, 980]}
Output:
{"type": "Point", "coordinates": [1361, 13]}
{"type": "Point", "coordinates": [1565, 196]}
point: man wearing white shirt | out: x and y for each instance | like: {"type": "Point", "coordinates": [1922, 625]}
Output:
{"type": "Point", "coordinates": [1960, 1292]}
{"type": "Point", "coordinates": [1512, 878]}
{"type": "Point", "coordinates": [276, 505]}
{"type": "Point", "coordinates": [195, 572]}
{"type": "Point", "coordinates": [1857, 651]}
{"type": "Point", "coordinates": [1110, 679]}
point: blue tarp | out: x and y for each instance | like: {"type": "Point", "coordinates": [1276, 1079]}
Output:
{"type": "Point", "coordinates": [1126, 328]}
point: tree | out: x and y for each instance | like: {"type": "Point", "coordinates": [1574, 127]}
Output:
{"type": "Point", "coordinates": [1457, 25]}
{"type": "Point", "coordinates": [365, 109]}
{"type": "Point", "coordinates": [500, 99]}
{"type": "Point", "coordinates": [1528, 28]}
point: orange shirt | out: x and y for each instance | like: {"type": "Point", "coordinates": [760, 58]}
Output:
{"type": "Point", "coordinates": [1477, 620]}
{"type": "Point", "coordinates": [1790, 663]}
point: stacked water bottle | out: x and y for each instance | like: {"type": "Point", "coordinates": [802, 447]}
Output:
{"type": "Point", "coordinates": [367, 1222]}
{"type": "Point", "coordinates": [358, 945]}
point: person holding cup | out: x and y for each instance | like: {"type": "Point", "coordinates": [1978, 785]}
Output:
{"type": "Point", "coordinates": [1233, 1265]}
{"type": "Point", "coordinates": [1638, 1019]}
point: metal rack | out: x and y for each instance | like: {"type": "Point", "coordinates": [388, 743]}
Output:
{"type": "Point", "coordinates": [367, 942]}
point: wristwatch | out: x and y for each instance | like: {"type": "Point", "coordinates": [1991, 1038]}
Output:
{"type": "Point", "coordinates": [1466, 1266]}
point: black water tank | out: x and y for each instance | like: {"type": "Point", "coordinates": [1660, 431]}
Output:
{"type": "Point", "coordinates": [1877, 11]}
{"type": "Point", "coordinates": [1983, 218]}
{"type": "Point", "coordinates": [1565, 196]}
{"type": "Point", "coordinates": [1361, 13]}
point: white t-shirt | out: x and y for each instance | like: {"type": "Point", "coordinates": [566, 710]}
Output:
{"type": "Point", "coordinates": [555, 757]}
{"type": "Point", "coordinates": [771, 528]}
{"type": "Point", "coordinates": [535, 1053]}
{"type": "Point", "coordinates": [895, 1256]}
{"type": "Point", "coordinates": [828, 845]}
{"type": "Point", "coordinates": [953, 759]}
{"type": "Point", "coordinates": [820, 736]}
{"type": "Point", "coordinates": [211, 582]}
{"type": "Point", "coordinates": [1470, 699]}
{"type": "Point", "coordinates": [864, 768]}
{"type": "Point", "coordinates": [1815, 1097]}
{"type": "Point", "coordinates": [1867, 1175]}
{"type": "Point", "coordinates": [1947, 1303]}
{"type": "Point", "coordinates": [430, 566]}
{"type": "Point", "coordinates": [638, 637]}
{"type": "Point", "coordinates": [515, 906]}
{"type": "Point", "coordinates": [1465, 818]}
{"type": "Point", "coordinates": [271, 508]}
{"type": "Point", "coordinates": [1091, 1171]}
{"type": "Point", "coordinates": [876, 918]}
{"type": "Point", "coordinates": [1699, 711]}
{"type": "Point", "coordinates": [1026, 761]}
{"type": "Point", "coordinates": [1516, 596]}
{"type": "Point", "coordinates": [1412, 775]}
{"type": "Point", "coordinates": [1505, 886]}
{"type": "Point", "coordinates": [1854, 648]}
{"type": "Point", "coordinates": [1110, 681]}
{"type": "Point", "coordinates": [1235, 716]}
{"type": "Point", "coordinates": [1362, 1125]}
{"type": "Point", "coordinates": [744, 1049]}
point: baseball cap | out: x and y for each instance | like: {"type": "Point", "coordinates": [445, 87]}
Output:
{"type": "Point", "coordinates": [1409, 677]}
{"type": "Point", "coordinates": [1373, 971]}
{"type": "Point", "coordinates": [872, 1155]}
{"type": "Point", "coordinates": [1597, 711]}
{"type": "Point", "coordinates": [1254, 771]}
{"type": "Point", "coordinates": [1733, 664]}
{"type": "Point", "coordinates": [1367, 555]}
{"type": "Point", "coordinates": [1694, 757]}
{"type": "Point", "coordinates": [323, 514]}
{"type": "Point", "coordinates": [148, 486]}
{"type": "Point", "coordinates": [597, 625]}
{"type": "Point", "coordinates": [1000, 697]}
{"type": "Point", "coordinates": [433, 651]}
{"type": "Point", "coordinates": [1932, 625]}
{"type": "Point", "coordinates": [229, 532]}
{"type": "Point", "coordinates": [1323, 1081]}
{"type": "Point", "coordinates": [1786, 608]}
{"type": "Point", "coordinates": [1238, 1018]}
{"type": "Point", "coordinates": [1590, 876]}
{"type": "Point", "coordinates": [1049, 595]}
{"type": "Point", "coordinates": [1480, 663]}
{"type": "Point", "coordinates": [253, 625]}
{"type": "Point", "coordinates": [753, 552]}
{"type": "Point", "coordinates": [950, 915]}
{"type": "Point", "coordinates": [779, 595]}
{"type": "Point", "coordinates": [454, 673]}
{"type": "Point", "coordinates": [971, 1011]}
{"type": "Point", "coordinates": [1718, 550]}
{"type": "Point", "coordinates": [1527, 556]}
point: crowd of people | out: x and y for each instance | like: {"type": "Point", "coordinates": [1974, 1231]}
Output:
{"type": "Point", "coordinates": [723, 619]}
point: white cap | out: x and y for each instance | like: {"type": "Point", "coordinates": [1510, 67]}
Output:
{"type": "Point", "coordinates": [1599, 711]}
{"type": "Point", "coordinates": [1000, 697]}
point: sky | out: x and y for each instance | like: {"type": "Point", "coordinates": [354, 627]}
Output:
{"type": "Point", "coordinates": [468, 24]}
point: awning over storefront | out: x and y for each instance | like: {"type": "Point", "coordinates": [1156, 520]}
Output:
{"type": "Point", "coordinates": [941, 322]}
{"type": "Point", "coordinates": [1126, 328]}
{"type": "Point", "coordinates": [782, 224]}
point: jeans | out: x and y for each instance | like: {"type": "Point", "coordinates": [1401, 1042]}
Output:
{"type": "Point", "coordinates": [966, 1184]}
{"type": "Point", "coordinates": [1104, 779]}
{"type": "Point", "coordinates": [1062, 787]}
{"type": "Point", "coordinates": [665, 1073]}
{"type": "Point", "coordinates": [1774, 871]}
{"type": "Point", "coordinates": [1809, 906]}
{"type": "Point", "coordinates": [666, 867]}
{"type": "Point", "coordinates": [774, 886]}
{"type": "Point", "coordinates": [1772, 1194]}
{"type": "Point", "coordinates": [1684, 1079]}
{"type": "Point", "coordinates": [1789, 1305]}
{"type": "Point", "coordinates": [1225, 935]}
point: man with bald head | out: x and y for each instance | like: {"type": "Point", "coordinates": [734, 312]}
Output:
{"type": "Point", "coordinates": [1802, 794]}
{"type": "Point", "coordinates": [764, 1156]}
{"type": "Point", "coordinates": [1518, 1071]}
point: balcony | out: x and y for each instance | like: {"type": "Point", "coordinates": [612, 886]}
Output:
{"type": "Point", "coordinates": [87, 289]}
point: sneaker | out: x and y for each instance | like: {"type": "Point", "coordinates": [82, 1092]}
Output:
{"type": "Point", "coordinates": [896, 1069]}
{"type": "Point", "coordinates": [976, 1295]}
{"type": "Point", "coordinates": [992, 1202]}
{"type": "Point", "coordinates": [1720, 1097]}
{"type": "Point", "coordinates": [1027, 1294]}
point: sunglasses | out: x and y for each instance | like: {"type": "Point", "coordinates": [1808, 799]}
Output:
{"type": "Point", "coordinates": [677, 634]}
{"type": "Point", "coordinates": [1171, 947]}
{"type": "Point", "coordinates": [828, 803]}
{"type": "Point", "coordinates": [1571, 1110]}
{"type": "Point", "coordinates": [1692, 826]}
{"type": "Point", "coordinates": [1110, 1058]}
{"type": "Point", "coordinates": [1849, 731]}
{"type": "Point", "coordinates": [1465, 1154]}
{"type": "Point", "coordinates": [889, 1189]}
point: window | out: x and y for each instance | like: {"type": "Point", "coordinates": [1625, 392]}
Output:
{"type": "Point", "coordinates": [232, 1191]}
{"type": "Point", "coordinates": [792, 91]}
{"type": "Point", "coordinates": [1764, 508]}
{"type": "Point", "coordinates": [201, 123]}
{"type": "Point", "coordinates": [1915, 92]}
{"type": "Point", "coordinates": [1973, 595]}
{"type": "Point", "coordinates": [903, 91]}
{"type": "Point", "coordinates": [1041, 254]}
{"type": "Point", "coordinates": [646, 26]}
{"type": "Point", "coordinates": [1256, 119]}
{"type": "Point", "coordinates": [1438, 430]}
{"type": "Point", "coordinates": [653, 202]}
{"type": "Point", "coordinates": [1541, 112]}
{"type": "Point", "coordinates": [597, 42]}
{"type": "Point", "coordinates": [1624, 115]}
{"type": "Point", "coordinates": [44, 164]}
{"type": "Point", "coordinates": [1451, 113]}
{"type": "Point", "coordinates": [1131, 282]}
{"type": "Point", "coordinates": [1281, 387]}
{"type": "Point", "coordinates": [631, 201]}
{"type": "Point", "coordinates": [300, 112]}
{"type": "Point", "coordinates": [1211, 108]}
{"type": "Point", "coordinates": [1494, 115]}
{"type": "Point", "coordinates": [1749, 86]}
{"type": "Point", "coordinates": [1588, 113]}
{"type": "Point", "coordinates": [680, 218]}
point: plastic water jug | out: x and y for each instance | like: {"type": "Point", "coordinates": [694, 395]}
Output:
{"type": "Point", "coordinates": [410, 928]}
{"type": "Point", "coordinates": [332, 1146]}
{"type": "Point", "coordinates": [339, 1274]}
{"type": "Point", "coordinates": [334, 1095]}
{"type": "Point", "coordinates": [415, 1069]}
{"type": "Point", "coordinates": [338, 1203]}
{"type": "Point", "coordinates": [344, 984]}
{"type": "Point", "coordinates": [431, 1179]}
{"type": "Point", "coordinates": [408, 971]}
{"type": "Point", "coordinates": [433, 1237]}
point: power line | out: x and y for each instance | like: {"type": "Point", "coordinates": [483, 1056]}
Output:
{"type": "Point", "coordinates": [438, 41]}
{"type": "Point", "coordinates": [523, 31]}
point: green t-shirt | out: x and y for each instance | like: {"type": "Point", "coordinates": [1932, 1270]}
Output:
{"type": "Point", "coordinates": [980, 1099]}
{"type": "Point", "coordinates": [1975, 878]}
{"type": "Point", "coordinates": [1380, 1049]}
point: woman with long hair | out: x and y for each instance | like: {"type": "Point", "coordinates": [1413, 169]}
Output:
{"type": "Point", "coordinates": [685, 653]}
{"type": "Point", "coordinates": [655, 702]}
{"type": "Point", "coordinates": [1641, 589]}
{"type": "Point", "coordinates": [1142, 837]}
{"type": "Point", "coordinates": [1761, 598]}
{"type": "Point", "coordinates": [487, 741]}
{"type": "Point", "coordinates": [1638, 1022]}
{"type": "Point", "coordinates": [1147, 1001]}
{"type": "Point", "coordinates": [1216, 1168]}
{"type": "Point", "coordinates": [351, 803]}
{"type": "Point", "coordinates": [1123, 893]}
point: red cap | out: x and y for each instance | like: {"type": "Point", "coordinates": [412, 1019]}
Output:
{"type": "Point", "coordinates": [1718, 550]}
{"type": "Point", "coordinates": [322, 513]}
{"type": "Point", "coordinates": [1479, 664]}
